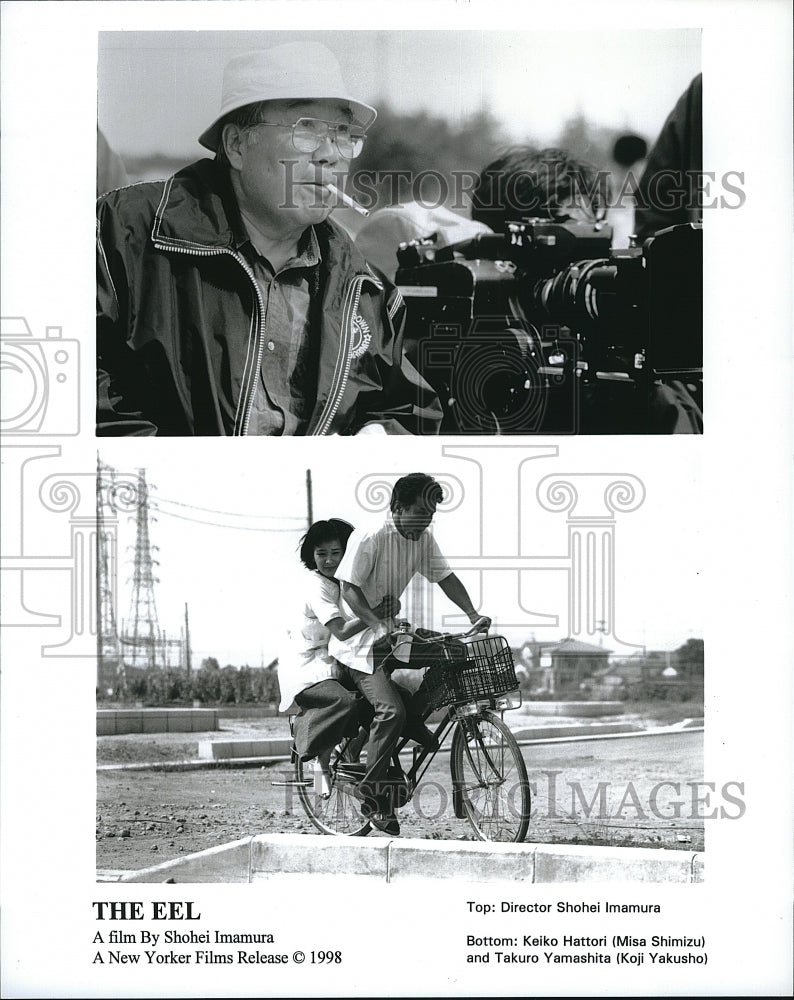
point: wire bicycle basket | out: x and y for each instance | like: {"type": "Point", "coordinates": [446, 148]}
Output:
{"type": "Point", "coordinates": [487, 672]}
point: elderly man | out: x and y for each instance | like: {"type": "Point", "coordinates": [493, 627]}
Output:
{"type": "Point", "coordinates": [378, 562]}
{"type": "Point", "coordinates": [228, 303]}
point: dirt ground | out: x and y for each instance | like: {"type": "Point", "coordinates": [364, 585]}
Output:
{"type": "Point", "coordinates": [145, 817]}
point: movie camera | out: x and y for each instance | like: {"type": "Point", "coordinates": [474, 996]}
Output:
{"type": "Point", "coordinates": [546, 329]}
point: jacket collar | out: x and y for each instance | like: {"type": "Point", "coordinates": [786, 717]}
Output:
{"type": "Point", "coordinates": [198, 207]}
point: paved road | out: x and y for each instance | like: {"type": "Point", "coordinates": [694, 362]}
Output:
{"type": "Point", "coordinates": [617, 785]}
{"type": "Point", "coordinates": [636, 790]}
{"type": "Point", "coordinates": [597, 791]}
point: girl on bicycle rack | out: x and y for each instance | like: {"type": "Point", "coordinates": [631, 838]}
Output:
{"type": "Point", "coordinates": [308, 675]}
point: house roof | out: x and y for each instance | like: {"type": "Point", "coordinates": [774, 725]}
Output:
{"type": "Point", "coordinates": [569, 647]}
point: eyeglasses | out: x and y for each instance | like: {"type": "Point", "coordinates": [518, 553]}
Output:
{"type": "Point", "coordinates": [308, 134]}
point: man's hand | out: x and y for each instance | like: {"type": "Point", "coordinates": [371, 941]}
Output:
{"type": "Point", "coordinates": [389, 607]}
{"type": "Point", "coordinates": [480, 622]}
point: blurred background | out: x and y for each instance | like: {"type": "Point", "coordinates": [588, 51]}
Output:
{"type": "Point", "coordinates": [447, 101]}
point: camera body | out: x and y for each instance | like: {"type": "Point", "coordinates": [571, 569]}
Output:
{"type": "Point", "coordinates": [546, 329]}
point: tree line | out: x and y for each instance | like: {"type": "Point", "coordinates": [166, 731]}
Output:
{"type": "Point", "coordinates": [417, 143]}
{"type": "Point", "coordinates": [211, 684]}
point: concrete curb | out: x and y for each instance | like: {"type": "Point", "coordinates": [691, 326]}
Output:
{"type": "Point", "coordinates": [583, 709]}
{"type": "Point", "coordinates": [228, 763]}
{"type": "Point", "coordinates": [122, 721]}
{"type": "Point", "coordinates": [269, 856]}
{"type": "Point", "coordinates": [226, 749]}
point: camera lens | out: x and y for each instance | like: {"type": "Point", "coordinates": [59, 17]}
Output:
{"type": "Point", "coordinates": [496, 385]}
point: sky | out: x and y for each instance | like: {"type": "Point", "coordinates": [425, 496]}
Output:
{"type": "Point", "coordinates": [158, 90]}
{"type": "Point", "coordinates": [241, 585]}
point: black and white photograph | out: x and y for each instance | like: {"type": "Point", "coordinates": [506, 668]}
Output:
{"type": "Point", "coordinates": [489, 693]}
{"type": "Point", "coordinates": [491, 617]}
{"type": "Point", "coordinates": [467, 258]}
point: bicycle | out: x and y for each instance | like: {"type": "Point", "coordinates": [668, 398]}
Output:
{"type": "Point", "coordinates": [490, 787]}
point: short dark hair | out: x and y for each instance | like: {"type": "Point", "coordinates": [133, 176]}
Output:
{"type": "Point", "coordinates": [332, 530]}
{"type": "Point", "coordinates": [415, 487]}
{"type": "Point", "coordinates": [525, 181]}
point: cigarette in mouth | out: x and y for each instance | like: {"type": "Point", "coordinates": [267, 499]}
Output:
{"type": "Point", "coordinates": [347, 200]}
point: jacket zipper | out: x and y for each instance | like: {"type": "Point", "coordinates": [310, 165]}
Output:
{"type": "Point", "coordinates": [345, 359]}
{"type": "Point", "coordinates": [199, 251]}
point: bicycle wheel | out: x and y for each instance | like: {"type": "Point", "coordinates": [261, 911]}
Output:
{"type": "Point", "coordinates": [337, 812]}
{"type": "Point", "coordinates": [489, 778]}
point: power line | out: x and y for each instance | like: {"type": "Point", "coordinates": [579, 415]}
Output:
{"type": "Point", "coordinates": [231, 513]}
{"type": "Point", "coordinates": [217, 524]}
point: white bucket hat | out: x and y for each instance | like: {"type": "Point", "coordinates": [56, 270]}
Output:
{"type": "Point", "coordinates": [292, 71]}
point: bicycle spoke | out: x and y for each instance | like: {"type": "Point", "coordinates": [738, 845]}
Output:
{"type": "Point", "coordinates": [335, 813]}
{"type": "Point", "coordinates": [490, 776]}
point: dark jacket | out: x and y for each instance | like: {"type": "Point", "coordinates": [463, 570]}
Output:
{"type": "Point", "coordinates": [665, 196]}
{"type": "Point", "coordinates": [179, 331]}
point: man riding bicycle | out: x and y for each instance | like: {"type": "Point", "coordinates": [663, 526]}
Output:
{"type": "Point", "coordinates": [383, 561]}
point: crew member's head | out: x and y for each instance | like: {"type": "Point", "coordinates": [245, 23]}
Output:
{"type": "Point", "coordinates": [546, 184]}
{"type": "Point", "coordinates": [287, 127]}
{"type": "Point", "coordinates": [414, 500]}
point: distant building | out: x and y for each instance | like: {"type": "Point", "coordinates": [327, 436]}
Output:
{"type": "Point", "coordinates": [656, 674]}
{"type": "Point", "coordinates": [560, 668]}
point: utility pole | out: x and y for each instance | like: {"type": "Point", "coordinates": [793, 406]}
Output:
{"type": "Point", "coordinates": [188, 661]}
{"type": "Point", "coordinates": [309, 507]}
{"type": "Point", "coordinates": [110, 663]}
{"type": "Point", "coordinates": [601, 627]}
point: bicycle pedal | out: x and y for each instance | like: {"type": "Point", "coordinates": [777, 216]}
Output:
{"type": "Point", "coordinates": [291, 783]}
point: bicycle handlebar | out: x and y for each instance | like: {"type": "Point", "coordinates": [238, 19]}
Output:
{"type": "Point", "coordinates": [407, 629]}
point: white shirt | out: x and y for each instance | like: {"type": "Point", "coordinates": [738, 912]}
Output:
{"type": "Point", "coordinates": [381, 561]}
{"type": "Point", "coordinates": [304, 658]}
